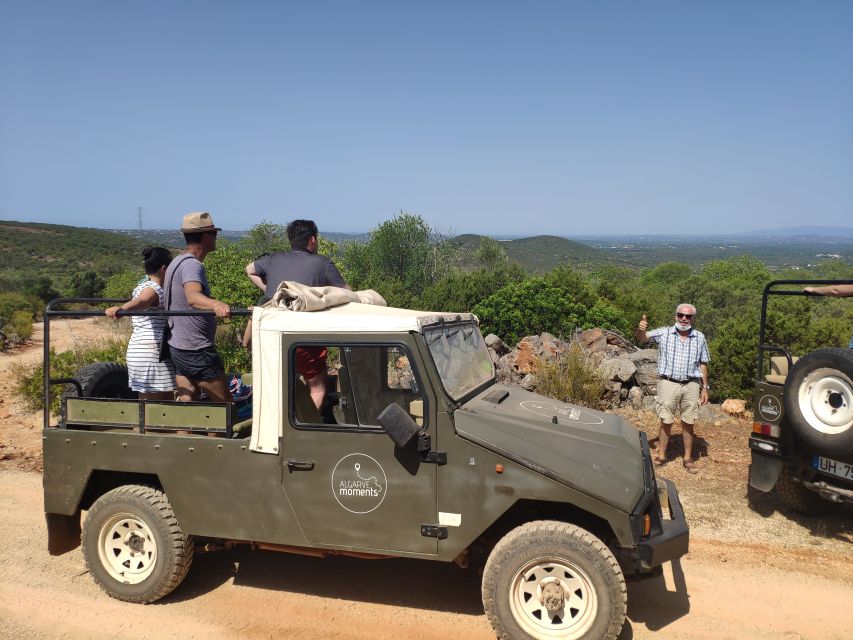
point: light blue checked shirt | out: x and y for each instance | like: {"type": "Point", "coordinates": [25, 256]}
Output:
{"type": "Point", "coordinates": [680, 359]}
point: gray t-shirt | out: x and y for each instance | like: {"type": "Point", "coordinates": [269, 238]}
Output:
{"type": "Point", "coordinates": [188, 332]}
{"type": "Point", "coordinates": [299, 266]}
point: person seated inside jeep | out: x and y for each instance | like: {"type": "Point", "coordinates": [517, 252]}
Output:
{"type": "Point", "coordinates": [362, 381]}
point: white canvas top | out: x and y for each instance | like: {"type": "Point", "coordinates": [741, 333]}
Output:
{"type": "Point", "coordinates": [350, 317]}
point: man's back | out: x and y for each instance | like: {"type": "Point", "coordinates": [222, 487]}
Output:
{"type": "Point", "coordinates": [300, 266]}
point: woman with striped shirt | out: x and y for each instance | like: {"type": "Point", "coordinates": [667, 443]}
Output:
{"type": "Point", "coordinates": [152, 379]}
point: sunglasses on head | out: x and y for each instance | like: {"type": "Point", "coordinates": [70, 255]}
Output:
{"type": "Point", "coordinates": [687, 316]}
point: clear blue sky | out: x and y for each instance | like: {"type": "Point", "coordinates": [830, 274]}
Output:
{"type": "Point", "coordinates": [529, 117]}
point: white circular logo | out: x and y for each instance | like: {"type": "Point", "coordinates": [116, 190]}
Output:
{"type": "Point", "coordinates": [564, 412]}
{"type": "Point", "coordinates": [359, 483]}
{"type": "Point", "coordinates": [769, 408]}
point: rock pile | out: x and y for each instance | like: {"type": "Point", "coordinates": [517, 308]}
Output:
{"type": "Point", "coordinates": [630, 373]}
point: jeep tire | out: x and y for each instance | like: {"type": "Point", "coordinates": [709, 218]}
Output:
{"type": "Point", "coordinates": [549, 579]}
{"type": "Point", "coordinates": [101, 380]}
{"type": "Point", "coordinates": [133, 546]}
{"type": "Point", "coordinates": [797, 497]}
{"type": "Point", "coordinates": [819, 400]}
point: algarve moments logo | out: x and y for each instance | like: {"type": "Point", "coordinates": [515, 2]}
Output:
{"type": "Point", "coordinates": [359, 483]}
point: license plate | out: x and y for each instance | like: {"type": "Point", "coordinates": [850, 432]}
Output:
{"type": "Point", "coordinates": [833, 467]}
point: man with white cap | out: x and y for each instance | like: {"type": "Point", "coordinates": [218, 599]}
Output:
{"type": "Point", "coordinates": [198, 366]}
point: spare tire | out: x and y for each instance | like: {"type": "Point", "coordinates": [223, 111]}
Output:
{"type": "Point", "coordinates": [819, 400]}
{"type": "Point", "coordinates": [101, 380]}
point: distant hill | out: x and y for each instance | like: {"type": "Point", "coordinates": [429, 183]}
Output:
{"type": "Point", "coordinates": [801, 232]}
{"type": "Point", "coordinates": [61, 251]}
{"type": "Point", "coordinates": [537, 254]}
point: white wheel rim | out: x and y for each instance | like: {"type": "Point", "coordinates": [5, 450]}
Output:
{"type": "Point", "coordinates": [825, 399]}
{"type": "Point", "coordinates": [127, 548]}
{"type": "Point", "coordinates": [580, 601]}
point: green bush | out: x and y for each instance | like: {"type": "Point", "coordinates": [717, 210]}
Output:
{"type": "Point", "coordinates": [571, 377]}
{"type": "Point", "coordinates": [235, 357]}
{"type": "Point", "coordinates": [28, 379]}
{"type": "Point", "coordinates": [121, 285]}
{"type": "Point", "coordinates": [20, 325]}
{"type": "Point", "coordinates": [536, 305]}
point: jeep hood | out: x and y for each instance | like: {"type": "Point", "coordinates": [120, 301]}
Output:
{"type": "Point", "coordinates": [597, 453]}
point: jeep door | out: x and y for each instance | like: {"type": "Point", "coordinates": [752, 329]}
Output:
{"type": "Point", "coordinates": [347, 482]}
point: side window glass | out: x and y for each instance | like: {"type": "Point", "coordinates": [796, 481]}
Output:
{"type": "Point", "coordinates": [360, 382]}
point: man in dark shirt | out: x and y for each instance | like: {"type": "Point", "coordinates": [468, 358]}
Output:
{"type": "Point", "coordinates": [304, 265]}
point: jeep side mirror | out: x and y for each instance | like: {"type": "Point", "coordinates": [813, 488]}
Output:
{"type": "Point", "coordinates": [398, 424]}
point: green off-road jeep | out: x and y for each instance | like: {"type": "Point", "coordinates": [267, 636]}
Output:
{"type": "Point", "coordinates": [415, 452]}
{"type": "Point", "coordinates": [802, 432]}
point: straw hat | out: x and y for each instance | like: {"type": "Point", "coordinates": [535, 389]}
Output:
{"type": "Point", "coordinates": [198, 222]}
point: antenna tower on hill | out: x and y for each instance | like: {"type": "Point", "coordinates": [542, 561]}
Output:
{"type": "Point", "coordinates": [139, 217]}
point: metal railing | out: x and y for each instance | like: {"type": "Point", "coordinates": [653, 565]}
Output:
{"type": "Point", "coordinates": [52, 312]}
{"type": "Point", "coordinates": [762, 329]}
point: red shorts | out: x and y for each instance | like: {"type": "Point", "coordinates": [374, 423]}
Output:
{"type": "Point", "coordinates": [310, 361]}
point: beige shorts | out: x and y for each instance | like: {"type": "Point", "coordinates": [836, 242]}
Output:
{"type": "Point", "coordinates": [676, 398]}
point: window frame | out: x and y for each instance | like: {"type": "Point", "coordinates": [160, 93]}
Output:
{"type": "Point", "coordinates": [341, 344]}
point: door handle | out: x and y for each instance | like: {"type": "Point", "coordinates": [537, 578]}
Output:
{"type": "Point", "coordinates": [300, 465]}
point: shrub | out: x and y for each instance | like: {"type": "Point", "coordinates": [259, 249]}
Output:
{"type": "Point", "coordinates": [571, 377]}
{"type": "Point", "coordinates": [21, 324]}
{"type": "Point", "coordinates": [235, 357]}
{"type": "Point", "coordinates": [536, 305]}
{"type": "Point", "coordinates": [28, 379]}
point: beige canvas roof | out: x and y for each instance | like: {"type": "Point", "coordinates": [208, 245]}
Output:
{"type": "Point", "coordinates": [350, 317]}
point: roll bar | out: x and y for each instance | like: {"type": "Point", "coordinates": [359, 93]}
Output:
{"type": "Point", "coordinates": [769, 291]}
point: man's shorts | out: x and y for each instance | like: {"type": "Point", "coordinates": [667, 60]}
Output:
{"type": "Point", "coordinates": [674, 397]}
{"type": "Point", "coordinates": [197, 365]}
{"type": "Point", "coordinates": [310, 361]}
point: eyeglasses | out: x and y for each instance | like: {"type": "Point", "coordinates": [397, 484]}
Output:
{"type": "Point", "coordinates": [686, 316]}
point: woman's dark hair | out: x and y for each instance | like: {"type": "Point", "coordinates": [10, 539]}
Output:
{"type": "Point", "coordinates": [154, 258]}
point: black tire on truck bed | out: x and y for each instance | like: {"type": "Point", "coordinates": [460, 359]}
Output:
{"type": "Point", "coordinates": [101, 380]}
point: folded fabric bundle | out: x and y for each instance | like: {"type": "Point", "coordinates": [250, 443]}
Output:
{"type": "Point", "coordinates": [299, 297]}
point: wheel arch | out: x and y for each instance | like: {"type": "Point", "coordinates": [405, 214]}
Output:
{"type": "Point", "coordinates": [527, 510]}
{"type": "Point", "coordinates": [64, 530]}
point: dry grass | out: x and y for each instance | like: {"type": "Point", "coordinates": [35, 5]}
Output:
{"type": "Point", "coordinates": [571, 377]}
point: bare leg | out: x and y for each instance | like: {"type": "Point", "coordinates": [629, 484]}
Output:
{"type": "Point", "coordinates": [217, 389]}
{"type": "Point", "coordinates": [247, 335]}
{"type": "Point", "coordinates": [688, 436]}
{"type": "Point", "coordinates": [663, 439]}
{"type": "Point", "coordinates": [317, 388]}
{"type": "Point", "coordinates": [187, 391]}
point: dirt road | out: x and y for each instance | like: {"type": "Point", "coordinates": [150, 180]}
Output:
{"type": "Point", "coordinates": [754, 570]}
{"type": "Point", "coordinates": [717, 591]}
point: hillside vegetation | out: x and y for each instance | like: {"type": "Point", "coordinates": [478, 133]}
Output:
{"type": "Point", "coordinates": [564, 286]}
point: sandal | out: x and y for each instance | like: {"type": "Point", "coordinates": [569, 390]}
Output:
{"type": "Point", "coordinates": [690, 466]}
{"type": "Point", "coordinates": [659, 462]}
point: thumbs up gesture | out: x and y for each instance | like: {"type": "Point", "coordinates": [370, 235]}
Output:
{"type": "Point", "coordinates": [644, 324]}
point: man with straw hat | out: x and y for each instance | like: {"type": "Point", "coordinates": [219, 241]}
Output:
{"type": "Point", "coordinates": [198, 366]}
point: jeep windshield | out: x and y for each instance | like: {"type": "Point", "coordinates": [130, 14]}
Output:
{"type": "Point", "coordinates": [460, 355]}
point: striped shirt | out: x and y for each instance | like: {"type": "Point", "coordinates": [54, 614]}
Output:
{"type": "Point", "coordinates": [679, 359]}
{"type": "Point", "coordinates": [147, 374]}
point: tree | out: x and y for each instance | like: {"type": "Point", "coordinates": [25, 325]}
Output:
{"type": "Point", "coordinates": [402, 257]}
{"type": "Point", "coordinates": [265, 237]}
{"type": "Point", "coordinates": [87, 285]}
{"type": "Point", "coordinates": [536, 305]}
